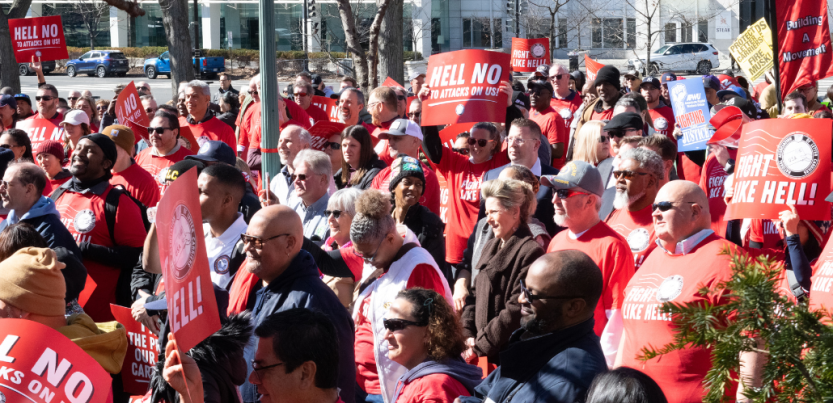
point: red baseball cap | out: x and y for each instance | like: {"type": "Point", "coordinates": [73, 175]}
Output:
{"type": "Point", "coordinates": [727, 81]}
{"type": "Point", "coordinates": [727, 123]}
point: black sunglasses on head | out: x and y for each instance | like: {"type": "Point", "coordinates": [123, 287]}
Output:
{"type": "Point", "coordinates": [665, 205]}
{"type": "Point", "coordinates": [335, 213]}
{"type": "Point", "coordinates": [399, 324]}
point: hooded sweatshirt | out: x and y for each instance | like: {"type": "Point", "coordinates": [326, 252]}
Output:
{"type": "Point", "coordinates": [434, 381]}
{"type": "Point", "coordinates": [46, 219]}
{"type": "Point", "coordinates": [106, 342]}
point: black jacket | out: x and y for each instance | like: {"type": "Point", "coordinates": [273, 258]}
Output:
{"type": "Point", "coordinates": [428, 228]}
{"type": "Point", "coordinates": [545, 210]}
{"type": "Point", "coordinates": [229, 118]}
{"type": "Point", "coordinates": [75, 274]}
{"type": "Point", "coordinates": [300, 286]}
{"type": "Point", "coordinates": [553, 368]}
{"type": "Point", "coordinates": [374, 166]}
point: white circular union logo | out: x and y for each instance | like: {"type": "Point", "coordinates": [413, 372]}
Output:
{"type": "Point", "coordinates": [84, 221]}
{"type": "Point", "coordinates": [221, 264]}
{"type": "Point", "coordinates": [537, 50]}
{"type": "Point", "coordinates": [638, 239]}
{"type": "Point", "coordinates": [2, 398]}
{"type": "Point", "coordinates": [460, 109]}
{"type": "Point", "coordinates": [797, 155]}
{"type": "Point", "coordinates": [660, 123]}
{"type": "Point", "coordinates": [203, 141]}
{"type": "Point", "coordinates": [670, 288]}
{"type": "Point", "coordinates": [183, 241]}
{"type": "Point", "coordinates": [566, 113]}
{"type": "Point", "coordinates": [160, 176]}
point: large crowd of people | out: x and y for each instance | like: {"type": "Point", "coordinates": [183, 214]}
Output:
{"type": "Point", "coordinates": [528, 262]}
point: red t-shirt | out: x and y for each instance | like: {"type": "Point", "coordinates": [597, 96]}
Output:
{"type": "Point", "coordinates": [664, 121]}
{"type": "Point", "coordinates": [367, 375]}
{"type": "Point", "coordinates": [553, 128]}
{"type": "Point", "coordinates": [83, 215]}
{"type": "Point", "coordinates": [443, 199]}
{"type": "Point", "coordinates": [382, 147]}
{"type": "Point", "coordinates": [158, 166]}
{"type": "Point", "coordinates": [637, 227]}
{"type": "Point", "coordinates": [430, 197]}
{"type": "Point", "coordinates": [765, 232]}
{"type": "Point", "coordinates": [613, 256]}
{"type": "Point", "coordinates": [678, 278]}
{"type": "Point", "coordinates": [463, 179]}
{"type": "Point", "coordinates": [316, 114]}
{"type": "Point", "coordinates": [433, 388]}
{"type": "Point", "coordinates": [56, 120]}
{"type": "Point", "coordinates": [567, 107]}
{"type": "Point", "coordinates": [711, 181]}
{"type": "Point", "coordinates": [603, 115]}
{"type": "Point", "coordinates": [215, 130]}
{"type": "Point", "coordinates": [56, 183]}
{"type": "Point", "coordinates": [139, 183]}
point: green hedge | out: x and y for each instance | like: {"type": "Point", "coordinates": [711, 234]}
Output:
{"type": "Point", "coordinates": [241, 55]}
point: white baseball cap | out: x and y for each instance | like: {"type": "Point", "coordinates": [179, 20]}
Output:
{"type": "Point", "coordinates": [76, 117]}
{"type": "Point", "coordinates": [402, 127]}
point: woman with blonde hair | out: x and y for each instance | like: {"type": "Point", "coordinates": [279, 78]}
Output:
{"type": "Point", "coordinates": [592, 145]}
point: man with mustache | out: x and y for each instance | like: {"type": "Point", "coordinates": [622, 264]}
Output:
{"type": "Point", "coordinates": [107, 253]}
{"type": "Point", "coordinates": [637, 183]}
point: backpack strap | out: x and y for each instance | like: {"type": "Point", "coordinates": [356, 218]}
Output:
{"type": "Point", "coordinates": [111, 207]}
{"type": "Point", "coordinates": [57, 193]}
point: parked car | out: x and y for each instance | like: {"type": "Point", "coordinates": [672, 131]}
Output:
{"type": "Point", "coordinates": [695, 57]}
{"type": "Point", "coordinates": [24, 70]}
{"type": "Point", "coordinates": [101, 63]}
{"type": "Point", "coordinates": [204, 66]}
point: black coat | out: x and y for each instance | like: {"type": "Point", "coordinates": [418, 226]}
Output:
{"type": "Point", "coordinates": [428, 228]}
{"type": "Point", "coordinates": [545, 210]}
{"type": "Point", "coordinates": [374, 166]}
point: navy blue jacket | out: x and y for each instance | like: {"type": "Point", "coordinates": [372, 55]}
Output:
{"type": "Point", "coordinates": [555, 368]}
{"type": "Point", "coordinates": [301, 287]}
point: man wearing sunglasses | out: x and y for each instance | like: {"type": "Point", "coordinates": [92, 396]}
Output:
{"type": "Point", "coordinates": [637, 184]}
{"type": "Point", "coordinates": [555, 355]}
{"type": "Point", "coordinates": [73, 97]}
{"type": "Point", "coordinates": [578, 197]}
{"type": "Point", "coordinates": [302, 93]}
{"type": "Point", "coordinates": [549, 121]}
{"type": "Point", "coordinates": [661, 114]}
{"type": "Point", "coordinates": [164, 150]}
{"type": "Point", "coordinates": [565, 101]}
{"type": "Point", "coordinates": [688, 257]}
{"type": "Point", "coordinates": [401, 102]}
{"type": "Point", "coordinates": [313, 174]}
{"type": "Point", "coordinates": [280, 277]}
{"type": "Point", "coordinates": [47, 100]}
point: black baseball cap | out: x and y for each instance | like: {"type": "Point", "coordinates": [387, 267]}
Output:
{"type": "Point", "coordinates": [215, 151]}
{"type": "Point", "coordinates": [520, 99]}
{"type": "Point", "coordinates": [651, 80]}
{"type": "Point", "coordinates": [625, 120]}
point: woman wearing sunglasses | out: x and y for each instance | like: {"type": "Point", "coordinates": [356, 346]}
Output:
{"type": "Point", "coordinates": [391, 264]}
{"type": "Point", "coordinates": [360, 164]}
{"type": "Point", "coordinates": [494, 313]}
{"type": "Point", "coordinates": [592, 145]}
{"type": "Point", "coordinates": [424, 337]}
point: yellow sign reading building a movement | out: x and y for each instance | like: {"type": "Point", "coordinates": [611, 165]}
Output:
{"type": "Point", "coordinates": [753, 50]}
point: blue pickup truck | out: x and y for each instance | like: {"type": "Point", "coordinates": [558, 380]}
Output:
{"type": "Point", "coordinates": [204, 66]}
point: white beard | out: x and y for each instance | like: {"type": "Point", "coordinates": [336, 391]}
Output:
{"type": "Point", "coordinates": [621, 200]}
{"type": "Point", "coordinates": [560, 219]}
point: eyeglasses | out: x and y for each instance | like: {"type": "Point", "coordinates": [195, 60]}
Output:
{"type": "Point", "coordinates": [300, 94]}
{"type": "Point", "coordinates": [399, 324]}
{"type": "Point", "coordinates": [479, 142]}
{"type": "Point", "coordinates": [333, 145]}
{"type": "Point", "coordinates": [158, 130]}
{"type": "Point", "coordinates": [101, 107]}
{"type": "Point", "coordinates": [6, 146]}
{"type": "Point", "coordinates": [517, 140]}
{"type": "Point", "coordinates": [567, 193]}
{"type": "Point", "coordinates": [464, 151]}
{"type": "Point", "coordinates": [556, 77]}
{"type": "Point", "coordinates": [144, 87]}
{"type": "Point", "coordinates": [44, 97]}
{"type": "Point", "coordinates": [300, 177]}
{"type": "Point", "coordinates": [665, 205]}
{"type": "Point", "coordinates": [335, 213]}
{"type": "Point", "coordinates": [627, 174]}
{"type": "Point", "coordinates": [371, 258]}
{"type": "Point", "coordinates": [253, 92]}
{"type": "Point", "coordinates": [258, 368]}
{"type": "Point", "coordinates": [604, 139]}
{"type": "Point", "coordinates": [372, 104]}
{"type": "Point", "coordinates": [72, 98]}
{"type": "Point", "coordinates": [414, 115]}
{"type": "Point", "coordinates": [529, 297]}
{"type": "Point", "coordinates": [256, 240]}
{"type": "Point", "coordinates": [401, 97]}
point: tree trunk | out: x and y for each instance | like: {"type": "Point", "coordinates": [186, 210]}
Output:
{"type": "Point", "coordinates": [9, 76]}
{"type": "Point", "coordinates": [374, 43]}
{"type": "Point", "coordinates": [354, 46]}
{"type": "Point", "coordinates": [552, 35]}
{"type": "Point", "coordinates": [391, 52]}
{"type": "Point", "coordinates": [92, 42]}
{"type": "Point", "coordinates": [175, 21]}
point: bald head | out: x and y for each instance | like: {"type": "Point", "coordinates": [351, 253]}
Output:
{"type": "Point", "coordinates": [280, 217]}
{"type": "Point", "coordinates": [278, 234]}
{"type": "Point", "coordinates": [688, 214]}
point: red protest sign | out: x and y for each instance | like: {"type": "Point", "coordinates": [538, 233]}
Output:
{"type": "Point", "coordinates": [142, 350]}
{"type": "Point", "coordinates": [804, 53]}
{"type": "Point", "coordinates": [389, 82]}
{"type": "Point", "coordinates": [449, 134]}
{"type": "Point", "coordinates": [321, 132]}
{"type": "Point", "coordinates": [41, 37]}
{"type": "Point", "coordinates": [592, 67]}
{"type": "Point", "coordinates": [781, 162]}
{"type": "Point", "coordinates": [328, 105]}
{"type": "Point", "coordinates": [192, 309]}
{"type": "Point", "coordinates": [39, 364]}
{"type": "Point", "coordinates": [465, 87]}
{"type": "Point", "coordinates": [528, 54]}
{"type": "Point", "coordinates": [129, 109]}
{"type": "Point", "coordinates": [40, 130]}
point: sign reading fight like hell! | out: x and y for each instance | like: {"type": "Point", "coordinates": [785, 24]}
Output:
{"type": "Point", "coordinates": [781, 162]}
{"type": "Point", "coordinates": [39, 364]}
{"type": "Point", "coordinates": [41, 37]}
{"type": "Point", "coordinates": [328, 105]}
{"type": "Point", "coordinates": [465, 87]}
{"type": "Point", "coordinates": [130, 112]}
{"type": "Point", "coordinates": [192, 309]}
{"type": "Point", "coordinates": [528, 54]}
{"type": "Point", "coordinates": [691, 111]}
{"type": "Point", "coordinates": [142, 350]}
{"type": "Point", "coordinates": [40, 130]}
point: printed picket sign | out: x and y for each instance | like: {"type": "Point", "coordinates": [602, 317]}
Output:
{"type": "Point", "coordinates": [192, 308]}
{"type": "Point", "coordinates": [40, 37]}
{"type": "Point", "coordinates": [321, 132]}
{"type": "Point", "coordinates": [465, 87]}
{"type": "Point", "coordinates": [592, 67]}
{"type": "Point", "coordinates": [753, 50]}
{"type": "Point", "coordinates": [130, 112]}
{"type": "Point", "coordinates": [39, 364]}
{"type": "Point", "coordinates": [142, 351]}
{"type": "Point", "coordinates": [328, 105]}
{"type": "Point", "coordinates": [40, 130]}
{"type": "Point", "coordinates": [781, 162]}
{"type": "Point", "coordinates": [804, 53]}
{"type": "Point", "coordinates": [528, 54]}
{"type": "Point", "coordinates": [691, 111]}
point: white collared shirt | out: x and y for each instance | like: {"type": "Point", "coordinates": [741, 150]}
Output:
{"type": "Point", "coordinates": [536, 167]}
{"type": "Point", "coordinates": [686, 245]}
{"type": "Point", "coordinates": [219, 250]}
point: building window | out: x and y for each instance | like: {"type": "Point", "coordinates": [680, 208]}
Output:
{"type": "Point", "coordinates": [476, 33]}
{"type": "Point", "coordinates": [632, 33]}
{"type": "Point", "coordinates": [670, 32]}
{"type": "Point", "coordinates": [703, 31]}
{"type": "Point", "coordinates": [607, 33]}
{"type": "Point", "coordinates": [562, 33]}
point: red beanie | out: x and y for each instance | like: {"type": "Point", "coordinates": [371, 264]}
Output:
{"type": "Point", "coordinates": [51, 147]}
